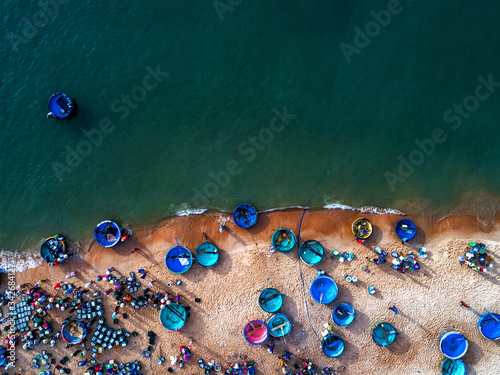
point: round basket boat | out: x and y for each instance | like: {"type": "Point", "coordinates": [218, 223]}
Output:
{"type": "Point", "coordinates": [52, 249]}
{"type": "Point", "coordinates": [283, 240]}
{"type": "Point", "coordinates": [60, 106]}
{"type": "Point", "coordinates": [406, 229]}
{"type": "Point", "coordinates": [245, 215]}
{"type": "Point", "coordinates": [279, 325]}
{"type": "Point", "coordinates": [173, 316]}
{"type": "Point", "coordinates": [311, 252]}
{"type": "Point", "coordinates": [107, 233]}
{"type": "Point", "coordinates": [323, 289]}
{"type": "Point", "coordinates": [453, 367]}
{"type": "Point", "coordinates": [73, 332]}
{"type": "Point", "coordinates": [489, 326]}
{"type": "Point", "coordinates": [453, 345]}
{"type": "Point", "coordinates": [207, 254]}
{"type": "Point", "coordinates": [256, 332]}
{"type": "Point", "coordinates": [362, 228]}
{"type": "Point", "coordinates": [270, 300]}
{"type": "Point", "coordinates": [383, 334]}
{"type": "Point", "coordinates": [332, 345]}
{"type": "Point", "coordinates": [343, 314]}
{"type": "Point", "coordinates": [178, 259]}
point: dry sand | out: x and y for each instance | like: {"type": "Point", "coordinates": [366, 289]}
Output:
{"type": "Point", "coordinates": [428, 300]}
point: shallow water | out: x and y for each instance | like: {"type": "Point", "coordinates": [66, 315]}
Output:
{"type": "Point", "coordinates": [213, 133]}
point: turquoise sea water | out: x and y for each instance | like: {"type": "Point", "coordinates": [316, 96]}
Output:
{"type": "Point", "coordinates": [210, 125]}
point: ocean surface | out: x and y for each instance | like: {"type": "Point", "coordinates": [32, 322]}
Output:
{"type": "Point", "coordinates": [189, 105]}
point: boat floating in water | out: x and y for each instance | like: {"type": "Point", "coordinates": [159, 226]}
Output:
{"type": "Point", "coordinates": [54, 250]}
{"type": "Point", "coordinates": [107, 233]}
{"type": "Point", "coordinates": [61, 106]}
{"type": "Point", "coordinates": [245, 215]}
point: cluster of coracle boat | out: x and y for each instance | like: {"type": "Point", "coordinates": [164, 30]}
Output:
{"type": "Point", "coordinates": [323, 289]}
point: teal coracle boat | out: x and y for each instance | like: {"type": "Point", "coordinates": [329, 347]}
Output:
{"type": "Point", "coordinates": [270, 300]}
{"type": "Point", "coordinates": [173, 316]}
{"type": "Point", "coordinates": [207, 254]}
{"type": "Point", "coordinates": [332, 345]}
{"type": "Point", "coordinates": [279, 325]}
{"type": "Point", "coordinates": [311, 252]}
{"type": "Point", "coordinates": [383, 334]}
{"type": "Point", "coordinates": [453, 367]}
{"type": "Point", "coordinates": [283, 240]}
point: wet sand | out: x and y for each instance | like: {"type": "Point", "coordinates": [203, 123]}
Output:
{"type": "Point", "coordinates": [428, 299]}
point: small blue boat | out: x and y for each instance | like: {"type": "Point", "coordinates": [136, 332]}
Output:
{"type": "Point", "coordinates": [270, 300]}
{"type": "Point", "coordinates": [173, 316]}
{"type": "Point", "coordinates": [343, 314]}
{"type": "Point", "coordinates": [279, 325]}
{"type": "Point", "coordinates": [332, 345]}
{"type": "Point", "coordinates": [178, 259]}
{"type": "Point", "coordinates": [323, 289]}
{"type": "Point", "coordinates": [245, 215]}
{"type": "Point", "coordinates": [406, 229]}
{"type": "Point", "coordinates": [73, 332]}
{"type": "Point", "coordinates": [60, 106]}
{"type": "Point", "coordinates": [256, 332]}
{"type": "Point", "coordinates": [453, 345]}
{"type": "Point", "coordinates": [311, 252]}
{"type": "Point", "coordinates": [489, 326]}
{"type": "Point", "coordinates": [383, 334]}
{"type": "Point", "coordinates": [283, 240]}
{"type": "Point", "coordinates": [207, 254]}
{"type": "Point", "coordinates": [107, 233]}
{"type": "Point", "coordinates": [453, 367]}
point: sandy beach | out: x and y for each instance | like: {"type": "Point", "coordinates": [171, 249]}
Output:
{"type": "Point", "coordinates": [428, 300]}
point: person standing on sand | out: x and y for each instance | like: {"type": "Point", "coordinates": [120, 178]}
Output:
{"type": "Point", "coordinates": [463, 304]}
{"type": "Point", "coordinates": [393, 308]}
{"type": "Point", "coordinates": [134, 249]}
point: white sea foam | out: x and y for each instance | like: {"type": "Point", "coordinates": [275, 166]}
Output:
{"type": "Point", "coordinates": [365, 209]}
{"type": "Point", "coordinates": [22, 261]}
{"type": "Point", "coordinates": [191, 212]}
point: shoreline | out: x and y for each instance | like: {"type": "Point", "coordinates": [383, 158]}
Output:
{"type": "Point", "coordinates": [229, 290]}
{"type": "Point", "coordinates": [30, 258]}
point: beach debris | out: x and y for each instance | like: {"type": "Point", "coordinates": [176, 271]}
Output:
{"type": "Point", "coordinates": [422, 252]}
{"type": "Point", "coordinates": [371, 290]}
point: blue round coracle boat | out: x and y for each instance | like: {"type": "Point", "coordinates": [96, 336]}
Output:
{"type": "Point", "coordinates": [256, 332]}
{"type": "Point", "coordinates": [311, 252]}
{"type": "Point", "coordinates": [173, 316]}
{"type": "Point", "coordinates": [406, 229]}
{"type": "Point", "coordinates": [60, 106]}
{"type": "Point", "coordinates": [270, 300]}
{"type": "Point", "coordinates": [279, 325]}
{"type": "Point", "coordinates": [178, 259]}
{"type": "Point", "coordinates": [343, 314]}
{"type": "Point", "coordinates": [107, 233]}
{"type": "Point", "coordinates": [453, 345]}
{"type": "Point", "coordinates": [53, 249]}
{"type": "Point", "coordinates": [489, 326]}
{"type": "Point", "coordinates": [245, 215]}
{"type": "Point", "coordinates": [73, 332]}
{"type": "Point", "coordinates": [332, 345]}
{"type": "Point", "coordinates": [453, 367]}
{"type": "Point", "coordinates": [207, 254]}
{"type": "Point", "coordinates": [323, 289]}
{"type": "Point", "coordinates": [383, 334]}
{"type": "Point", "coordinates": [283, 240]}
